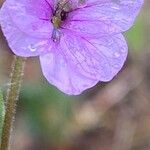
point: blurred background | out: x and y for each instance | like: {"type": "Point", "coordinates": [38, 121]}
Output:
{"type": "Point", "coordinates": [109, 116]}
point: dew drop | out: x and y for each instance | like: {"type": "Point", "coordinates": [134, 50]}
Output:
{"type": "Point", "coordinates": [32, 48]}
{"type": "Point", "coordinates": [115, 7]}
{"type": "Point", "coordinates": [116, 66]}
{"type": "Point", "coordinates": [116, 54]}
{"type": "Point", "coordinates": [123, 50]}
{"type": "Point", "coordinates": [56, 35]}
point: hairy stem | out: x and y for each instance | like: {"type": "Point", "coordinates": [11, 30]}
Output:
{"type": "Point", "coordinates": [11, 100]}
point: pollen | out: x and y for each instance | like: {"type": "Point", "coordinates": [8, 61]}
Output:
{"type": "Point", "coordinates": [56, 21]}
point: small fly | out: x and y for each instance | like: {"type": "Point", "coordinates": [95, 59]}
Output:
{"type": "Point", "coordinates": [60, 14]}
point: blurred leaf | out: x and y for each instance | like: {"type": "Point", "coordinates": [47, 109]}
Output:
{"type": "Point", "coordinates": [136, 35]}
{"type": "Point", "coordinates": [47, 110]}
{"type": "Point", "coordinates": [2, 111]}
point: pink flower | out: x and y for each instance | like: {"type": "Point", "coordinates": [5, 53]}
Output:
{"type": "Point", "coordinates": [79, 42]}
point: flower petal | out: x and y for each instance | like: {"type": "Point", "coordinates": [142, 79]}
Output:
{"type": "Point", "coordinates": [31, 16]}
{"type": "Point", "coordinates": [59, 73]}
{"type": "Point", "coordinates": [96, 58]}
{"type": "Point", "coordinates": [78, 64]}
{"type": "Point", "coordinates": [21, 43]}
{"type": "Point", "coordinates": [105, 17]}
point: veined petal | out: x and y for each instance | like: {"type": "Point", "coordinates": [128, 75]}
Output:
{"type": "Point", "coordinates": [100, 58]}
{"type": "Point", "coordinates": [21, 43]}
{"type": "Point", "coordinates": [104, 17]}
{"type": "Point", "coordinates": [59, 73]}
{"type": "Point", "coordinates": [78, 63]}
{"type": "Point", "coordinates": [31, 16]}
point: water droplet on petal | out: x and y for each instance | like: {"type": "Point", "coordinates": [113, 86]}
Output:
{"type": "Point", "coordinates": [116, 66]}
{"type": "Point", "coordinates": [123, 50]}
{"type": "Point", "coordinates": [115, 7]}
{"type": "Point", "coordinates": [32, 48]}
{"type": "Point", "coordinates": [56, 35]}
{"type": "Point", "coordinates": [116, 54]}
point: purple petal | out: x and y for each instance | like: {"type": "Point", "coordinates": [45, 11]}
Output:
{"type": "Point", "coordinates": [105, 17]}
{"type": "Point", "coordinates": [31, 16]}
{"type": "Point", "coordinates": [59, 73]}
{"type": "Point", "coordinates": [21, 43]}
{"type": "Point", "coordinates": [78, 63]}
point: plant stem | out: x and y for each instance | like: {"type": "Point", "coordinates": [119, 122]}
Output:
{"type": "Point", "coordinates": [11, 100]}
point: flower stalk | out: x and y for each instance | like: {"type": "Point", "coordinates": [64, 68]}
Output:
{"type": "Point", "coordinates": [11, 100]}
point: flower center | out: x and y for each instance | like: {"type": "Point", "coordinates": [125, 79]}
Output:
{"type": "Point", "coordinates": [60, 15]}
{"type": "Point", "coordinates": [57, 19]}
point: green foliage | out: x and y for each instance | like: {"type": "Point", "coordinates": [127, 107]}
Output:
{"type": "Point", "coordinates": [46, 110]}
{"type": "Point", "coordinates": [2, 111]}
{"type": "Point", "coordinates": [135, 36]}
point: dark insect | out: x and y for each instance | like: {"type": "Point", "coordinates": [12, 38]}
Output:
{"type": "Point", "coordinates": [63, 15]}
